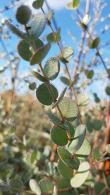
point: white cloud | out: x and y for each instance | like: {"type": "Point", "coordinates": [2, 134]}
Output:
{"type": "Point", "coordinates": [57, 4]}
{"type": "Point", "coordinates": [54, 4]}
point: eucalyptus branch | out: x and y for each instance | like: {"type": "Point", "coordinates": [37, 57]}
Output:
{"type": "Point", "coordinates": [48, 82]}
{"type": "Point", "coordinates": [68, 136]}
{"type": "Point", "coordinates": [67, 70]}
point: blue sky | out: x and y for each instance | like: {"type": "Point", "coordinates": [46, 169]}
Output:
{"type": "Point", "coordinates": [65, 21]}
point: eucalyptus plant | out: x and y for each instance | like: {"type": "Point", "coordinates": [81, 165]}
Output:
{"type": "Point", "coordinates": [72, 171]}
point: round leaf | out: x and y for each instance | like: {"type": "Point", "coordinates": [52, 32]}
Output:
{"type": "Point", "coordinates": [37, 25]}
{"type": "Point", "coordinates": [85, 149]}
{"type": "Point", "coordinates": [38, 4]}
{"type": "Point", "coordinates": [64, 170]}
{"type": "Point", "coordinates": [69, 108]}
{"type": "Point", "coordinates": [23, 14]}
{"type": "Point", "coordinates": [46, 185]}
{"type": "Point", "coordinates": [44, 92]}
{"type": "Point", "coordinates": [67, 158]}
{"type": "Point", "coordinates": [54, 37]}
{"type": "Point", "coordinates": [40, 54]}
{"type": "Point", "coordinates": [81, 175]}
{"type": "Point", "coordinates": [52, 68]}
{"type": "Point", "coordinates": [59, 136]}
{"type": "Point", "coordinates": [34, 187]}
{"type": "Point", "coordinates": [24, 51]}
{"type": "Point", "coordinates": [79, 138]}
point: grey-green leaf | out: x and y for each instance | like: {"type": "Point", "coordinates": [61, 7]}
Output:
{"type": "Point", "coordinates": [40, 54]}
{"type": "Point", "coordinates": [54, 37]}
{"type": "Point", "coordinates": [81, 175]}
{"type": "Point", "coordinates": [46, 93]}
{"type": "Point", "coordinates": [78, 139]}
{"type": "Point", "coordinates": [46, 185]}
{"type": "Point", "coordinates": [64, 170]}
{"type": "Point", "coordinates": [38, 4]}
{"type": "Point", "coordinates": [85, 149]}
{"type": "Point", "coordinates": [69, 108]}
{"type": "Point", "coordinates": [23, 50]}
{"type": "Point", "coordinates": [67, 158]}
{"type": "Point", "coordinates": [23, 14]}
{"type": "Point", "coordinates": [37, 25]}
{"type": "Point", "coordinates": [59, 136]}
{"type": "Point", "coordinates": [52, 68]}
{"type": "Point", "coordinates": [66, 53]}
